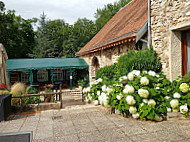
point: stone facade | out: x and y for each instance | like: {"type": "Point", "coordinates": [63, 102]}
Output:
{"type": "Point", "coordinates": [106, 57]}
{"type": "Point", "coordinates": [168, 19]}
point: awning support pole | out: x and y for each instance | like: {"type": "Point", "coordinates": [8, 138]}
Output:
{"type": "Point", "coordinates": [31, 80]}
{"type": "Point", "coordinates": [9, 77]}
{"type": "Point", "coordinates": [71, 78]}
{"type": "Point", "coordinates": [52, 77]}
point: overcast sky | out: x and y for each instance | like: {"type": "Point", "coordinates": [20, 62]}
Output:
{"type": "Point", "coordinates": [69, 10]}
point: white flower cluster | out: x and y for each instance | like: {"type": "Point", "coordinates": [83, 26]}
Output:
{"type": "Point", "coordinates": [128, 89]}
{"type": "Point", "coordinates": [174, 103]}
{"type": "Point", "coordinates": [86, 90]}
{"type": "Point", "coordinates": [184, 87]}
{"type": "Point", "coordinates": [176, 95]}
{"type": "Point", "coordinates": [144, 81]}
{"type": "Point", "coordinates": [119, 96]}
{"type": "Point", "coordinates": [103, 99]}
{"type": "Point", "coordinates": [130, 100]}
{"type": "Point", "coordinates": [143, 93]}
{"type": "Point", "coordinates": [99, 80]}
{"type": "Point", "coordinates": [184, 109]}
{"type": "Point", "coordinates": [88, 98]}
{"type": "Point", "coordinates": [123, 78]}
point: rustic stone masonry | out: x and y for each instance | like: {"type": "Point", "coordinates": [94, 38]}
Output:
{"type": "Point", "coordinates": [106, 57]}
{"type": "Point", "coordinates": [168, 19]}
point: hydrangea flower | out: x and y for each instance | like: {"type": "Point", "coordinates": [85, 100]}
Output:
{"type": "Point", "coordinates": [151, 102]}
{"type": "Point", "coordinates": [184, 87]}
{"type": "Point", "coordinates": [136, 115]}
{"type": "Point", "coordinates": [169, 109]}
{"type": "Point", "coordinates": [175, 109]}
{"type": "Point", "coordinates": [84, 90]}
{"type": "Point", "coordinates": [136, 72]}
{"type": "Point", "coordinates": [144, 81]}
{"type": "Point", "coordinates": [157, 88]}
{"type": "Point", "coordinates": [130, 76]}
{"type": "Point", "coordinates": [130, 100]}
{"type": "Point", "coordinates": [96, 102]}
{"type": "Point", "coordinates": [132, 109]}
{"type": "Point", "coordinates": [88, 89]}
{"type": "Point", "coordinates": [174, 103]}
{"type": "Point", "coordinates": [143, 93]}
{"type": "Point", "coordinates": [145, 101]}
{"type": "Point", "coordinates": [176, 95]}
{"type": "Point", "coordinates": [145, 72]}
{"type": "Point", "coordinates": [128, 89]}
{"type": "Point", "coordinates": [184, 108]}
{"type": "Point", "coordinates": [119, 96]}
{"type": "Point", "coordinates": [99, 80]}
{"type": "Point", "coordinates": [167, 97]}
{"type": "Point", "coordinates": [108, 89]}
{"type": "Point", "coordinates": [98, 93]}
{"type": "Point", "coordinates": [152, 73]}
{"type": "Point", "coordinates": [123, 78]}
{"type": "Point", "coordinates": [104, 88]}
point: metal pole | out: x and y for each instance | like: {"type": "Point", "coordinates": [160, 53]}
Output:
{"type": "Point", "coordinates": [31, 79]}
{"type": "Point", "coordinates": [52, 77]}
{"type": "Point", "coordinates": [71, 78]}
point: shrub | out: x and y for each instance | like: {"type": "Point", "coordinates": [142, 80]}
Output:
{"type": "Point", "coordinates": [108, 71]}
{"type": "Point", "coordinates": [141, 60]}
{"type": "Point", "coordinates": [146, 95]}
{"type": "Point", "coordinates": [32, 100]}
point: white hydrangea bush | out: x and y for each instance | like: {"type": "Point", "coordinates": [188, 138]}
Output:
{"type": "Point", "coordinates": [141, 95]}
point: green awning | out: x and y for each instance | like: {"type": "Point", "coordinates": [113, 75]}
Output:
{"type": "Point", "coordinates": [45, 63]}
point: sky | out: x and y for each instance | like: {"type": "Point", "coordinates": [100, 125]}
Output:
{"type": "Point", "coordinates": [69, 10]}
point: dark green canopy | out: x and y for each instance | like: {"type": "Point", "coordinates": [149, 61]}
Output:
{"type": "Point", "coordinates": [45, 63]}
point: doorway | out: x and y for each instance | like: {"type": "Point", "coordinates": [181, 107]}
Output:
{"type": "Point", "coordinates": [185, 52]}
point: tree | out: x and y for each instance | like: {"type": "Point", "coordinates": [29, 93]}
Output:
{"type": "Point", "coordinates": [78, 36]}
{"type": "Point", "coordinates": [42, 43]}
{"type": "Point", "coordinates": [16, 34]}
{"type": "Point", "coordinates": [49, 38]}
{"type": "Point", "coordinates": [105, 14]}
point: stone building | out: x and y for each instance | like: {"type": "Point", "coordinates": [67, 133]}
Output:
{"type": "Point", "coordinates": [127, 30]}
{"type": "Point", "coordinates": [170, 34]}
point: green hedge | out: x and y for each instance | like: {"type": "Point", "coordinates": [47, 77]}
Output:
{"type": "Point", "coordinates": [107, 71]}
{"type": "Point", "coordinates": [141, 60]}
{"type": "Point", "coordinates": [132, 60]}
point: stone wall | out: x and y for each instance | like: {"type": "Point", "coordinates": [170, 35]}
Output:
{"type": "Point", "coordinates": [167, 18]}
{"type": "Point", "coordinates": [106, 57]}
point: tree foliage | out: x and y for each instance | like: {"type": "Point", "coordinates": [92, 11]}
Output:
{"type": "Point", "coordinates": [103, 15]}
{"type": "Point", "coordinates": [78, 35]}
{"type": "Point", "coordinates": [16, 34]}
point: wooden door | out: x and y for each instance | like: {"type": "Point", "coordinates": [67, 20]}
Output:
{"type": "Point", "coordinates": [185, 52]}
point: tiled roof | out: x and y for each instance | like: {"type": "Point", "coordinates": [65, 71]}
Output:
{"type": "Point", "coordinates": [124, 25]}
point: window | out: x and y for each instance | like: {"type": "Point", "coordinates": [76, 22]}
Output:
{"type": "Point", "coordinates": [57, 75]}
{"type": "Point", "coordinates": [25, 76]}
{"type": "Point", "coordinates": [42, 75]}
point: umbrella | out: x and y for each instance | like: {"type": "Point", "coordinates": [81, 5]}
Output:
{"type": "Point", "coordinates": [3, 66]}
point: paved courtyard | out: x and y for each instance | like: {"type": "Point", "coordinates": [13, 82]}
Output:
{"type": "Point", "coordinates": [89, 123]}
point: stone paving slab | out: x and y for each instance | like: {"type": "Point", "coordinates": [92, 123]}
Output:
{"type": "Point", "coordinates": [89, 123]}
